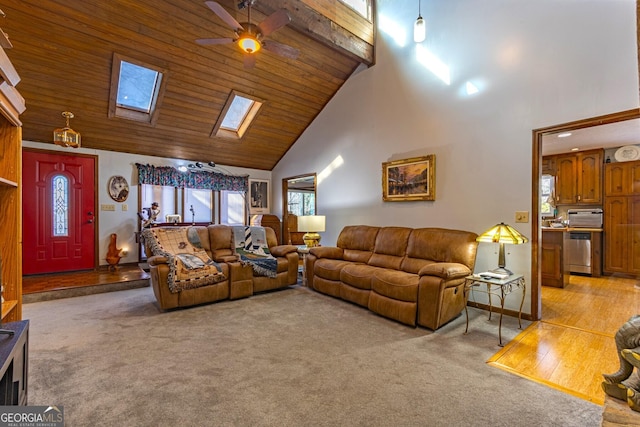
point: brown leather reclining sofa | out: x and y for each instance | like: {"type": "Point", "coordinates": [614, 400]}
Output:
{"type": "Point", "coordinates": [410, 275]}
{"type": "Point", "coordinates": [240, 280]}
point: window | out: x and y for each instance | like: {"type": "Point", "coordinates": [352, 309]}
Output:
{"type": "Point", "coordinates": [172, 201]}
{"type": "Point", "coordinates": [363, 7]}
{"type": "Point", "coordinates": [60, 203]}
{"type": "Point", "coordinates": [547, 203]}
{"type": "Point", "coordinates": [302, 203]}
{"type": "Point", "coordinates": [237, 115]}
{"type": "Point", "coordinates": [136, 90]}
{"type": "Point", "coordinates": [165, 196]}
{"type": "Point", "coordinates": [198, 205]}
{"type": "Point", "coordinates": [232, 208]}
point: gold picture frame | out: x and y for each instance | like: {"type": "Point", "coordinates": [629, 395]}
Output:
{"type": "Point", "coordinates": [409, 180]}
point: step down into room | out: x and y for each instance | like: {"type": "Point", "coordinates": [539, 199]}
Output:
{"type": "Point", "coordinates": [45, 287]}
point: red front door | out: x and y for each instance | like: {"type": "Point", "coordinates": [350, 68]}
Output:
{"type": "Point", "coordinates": [58, 208]}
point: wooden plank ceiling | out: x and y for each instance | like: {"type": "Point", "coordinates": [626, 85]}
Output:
{"type": "Point", "coordinates": [63, 51]}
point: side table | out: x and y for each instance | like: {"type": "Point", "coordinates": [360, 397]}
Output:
{"type": "Point", "coordinates": [498, 287]}
{"type": "Point", "coordinates": [303, 251]}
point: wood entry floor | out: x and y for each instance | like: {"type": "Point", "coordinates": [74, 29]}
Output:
{"type": "Point", "coordinates": [573, 344]}
{"type": "Point", "coordinates": [44, 287]}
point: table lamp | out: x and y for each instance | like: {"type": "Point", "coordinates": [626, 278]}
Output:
{"type": "Point", "coordinates": [311, 224]}
{"type": "Point", "coordinates": [502, 233]}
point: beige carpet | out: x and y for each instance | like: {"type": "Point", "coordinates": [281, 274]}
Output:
{"type": "Point", "coordinates": [286, 358]}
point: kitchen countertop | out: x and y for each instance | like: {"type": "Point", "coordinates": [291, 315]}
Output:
{"type": "Point", "coordinates": [596, 230]}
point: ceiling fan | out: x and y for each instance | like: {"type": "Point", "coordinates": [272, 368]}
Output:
{"type": "Point", "coordinates": [251, 37]}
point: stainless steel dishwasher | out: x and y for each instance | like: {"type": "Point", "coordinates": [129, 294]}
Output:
{"type": "Point", "coordinates": [579, 249]}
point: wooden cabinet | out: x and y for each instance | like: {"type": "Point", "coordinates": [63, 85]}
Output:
{"type": "Point", "coordinates": [622, 218]}
{"type": "Point", "coordinates": [622, 179]}
{"type": "Point", "coordinates": [579, 178]}
{"type": "Point", "coordinates": [552, 261]}
{"type": "Point", "coordinates": [622, 234]}
{"type": "Point", "coordinates": [11, 105]}
{"type": "Point", "coordinates": [566, 179]}
{"type": "Point", "coordinates": [549, 165]}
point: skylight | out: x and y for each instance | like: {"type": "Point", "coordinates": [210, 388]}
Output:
{"type": "Point", "coordinates": [136, 86]}
{"type": "Point", "coordinates": [361, 6]}
{"type": "Point", "coordinates": [136, 90]}
{"type": "Point", "coordinates": [237, 112]}
{"type": "Point", "coordinates": [237, 115]}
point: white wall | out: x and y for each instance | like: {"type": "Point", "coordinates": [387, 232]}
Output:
{"type": "Point", "coordinates": [536, 64]}
{"type": "Point", "coordinates": [125, 223]}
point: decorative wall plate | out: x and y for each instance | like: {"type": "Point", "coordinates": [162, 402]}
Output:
{"type": "Point", "coordinates": [627, 153]}
{"type": "Point", "coordinates": [118, 188]}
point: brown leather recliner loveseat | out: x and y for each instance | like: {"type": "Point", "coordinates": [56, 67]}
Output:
{"type": "Point", "coordinates": [414, 276]}
{"type": "Point", "coordinates": [239, 279]}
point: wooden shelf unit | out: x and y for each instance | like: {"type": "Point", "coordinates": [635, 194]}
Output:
{"type": "Point", "coordinates": [11, 106]}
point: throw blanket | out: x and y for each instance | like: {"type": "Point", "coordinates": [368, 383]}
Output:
{"type": "Point", "coordinates": [251, 245]}
{"type": "Point", "coordinates": [189, 265]}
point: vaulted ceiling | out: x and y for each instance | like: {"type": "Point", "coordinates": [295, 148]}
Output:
{"type": "Point", "coordinates": [63, 51]}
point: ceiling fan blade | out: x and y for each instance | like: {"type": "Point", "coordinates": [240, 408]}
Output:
{"type": "Point", "coordinates": [224, 15]}
{"type": "Point", "coordinates": [276, 20]}
{"type": "Point", "coordinates": [281, 49]}
{"type": "Point", "coordinates": [214, 41]}
{"type": "Point", "coordinates": [249, 60]}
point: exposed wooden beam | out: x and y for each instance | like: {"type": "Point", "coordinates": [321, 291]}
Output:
{"type": "Point", "coordinates": [320, 28]}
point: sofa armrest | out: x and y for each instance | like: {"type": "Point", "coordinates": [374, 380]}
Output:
{"type": "Point", "coordinates": [227, 258]}
{"type": "Point", "coordinates": [445, 270]}
{"type": "Point", "coordinates": [157, 260]}
{"type": "Point", "coordinates": [327, 252]}
{"type": "Point", "coordinates": [283, 250]}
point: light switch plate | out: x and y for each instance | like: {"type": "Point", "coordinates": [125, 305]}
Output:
{"type": "Point", "coordinates": [522, 216]}
{"type": "Point", "coordinates": [107, 207]}
{"type": "Point", "coordinates": [125, 207]}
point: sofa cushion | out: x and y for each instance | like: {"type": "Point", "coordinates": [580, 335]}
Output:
{"type": "Point", "coordinates": [390, 247]}
{"type": "Point", "coordinates": [220, 241]}
{"type": "Point", "coordinates": [329, 268]}
{"type": "Point", "coordinates": [443, 245]}
{"type": "Point", "coordinates": [358, 275]}
{"type": "Point", "coordinates": [398, 285]}
{"type": "Point", "coordinates": [358, 242]}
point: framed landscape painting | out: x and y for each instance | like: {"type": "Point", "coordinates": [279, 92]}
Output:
{"type": "Point", "coordinates": [409, 179]}
{"type": "Point", "coordinates": [258, 196]}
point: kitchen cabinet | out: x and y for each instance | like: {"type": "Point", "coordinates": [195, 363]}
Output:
{"type": "Point", "coordinates": [553, 265]}
{"type": "Point", "coordinates": [622, 235]}
{"type": "Point", "coordinates": [622, 217]}
{"type": "Point", "coordinates": [549, 165]}
{"type": "Point", "coordinates": [579, 178]}
{"type": "Point", "coordinates": [622, 178]}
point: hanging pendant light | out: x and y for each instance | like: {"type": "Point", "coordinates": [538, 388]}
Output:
{"type": "Point", "coordinates": [419, 27]}
{"type": "Point", "coordinates": [66, 137]}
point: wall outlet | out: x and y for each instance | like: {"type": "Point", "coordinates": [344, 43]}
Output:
{"type": "Point", "coordinates": [125, 207]}
{"type": "Point", "coordinates": [522, 216]}
{"type": "Point", "coordinates": [107, 207]}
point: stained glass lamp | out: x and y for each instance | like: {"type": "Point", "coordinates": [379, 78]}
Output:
{"type": "Point", "coordinates": [502, 233]}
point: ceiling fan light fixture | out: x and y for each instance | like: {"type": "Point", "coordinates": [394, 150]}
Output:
{"type": "Point", "coordinates": [249, 43]}
{"type": "Point", "coordinates": [419, 28]}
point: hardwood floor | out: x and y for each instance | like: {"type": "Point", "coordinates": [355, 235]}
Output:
{"type": "Point", "coordinates": [573, 344]}
{"type": "Point", "coordinates": [43, 287]}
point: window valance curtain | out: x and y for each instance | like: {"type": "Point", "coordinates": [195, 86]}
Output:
{"type": "Point", "coordinates": [204, 180]}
